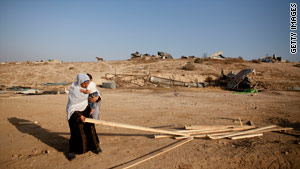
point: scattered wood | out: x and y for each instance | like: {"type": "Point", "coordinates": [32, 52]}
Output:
{"type": "Point", "coordinates": [154, 154]}
{"type": "Point", "coordinates": [239, 128]}
{"type": "Point", "coordinates": [246, 136]}
{"type": "Point", "coordinates": [171, 82]}
{"type": "Point", "coordinates": [157, 136]}
{"type": "Point", "coordinates": [250, 123]}
{"type": "Point", "coordinates": [242, 132]}
{"type": "Point", "coordinates": [9, 98]}
{"type": "Point", "coordinates": [218, 133]}
{"type": "Point", "coordinates": [28, 122]}
{"type": "Point", "coordinates": [203, 133]}
{"type": "Point", "coordinates": [211, 127]}
{"type": "Point", "coordinates": [128, 126]}
{"type": "Point", "coordinates": [240, 122]}
{"type": "Point", "coordinates": [277, 129]}
{"type": "Point", "coordinates": [194, 136]}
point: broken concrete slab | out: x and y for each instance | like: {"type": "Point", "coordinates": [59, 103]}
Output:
{"type": "Point", "coordinates": [109, 85]}
{"type": "Point", "coordinates": [217, 55]}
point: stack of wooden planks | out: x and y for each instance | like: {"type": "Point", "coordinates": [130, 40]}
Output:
{"type": "Point", "coordinates": [220, 132]}
{"type": "Point", "coordinates": [188, 134]}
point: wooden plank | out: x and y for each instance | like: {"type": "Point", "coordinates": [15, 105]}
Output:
{"type": "Point", "coordinates": [239, 128]}
{"type": "Point", "coordinates": [157, 136]}
{"type": "Point", "coordinates": [277, 129]}
{"type": "Point", "coordinates": [202, 135]}
{"type": "Point", "coordinates": [240, 122]}
{"type": "Point", "coordinates": [195, 136]}
{"type": "Point", "coordinates": [246, 136]}
{"type": "Point", "coordinates": [154, 154]}
{"type": "Point", "coordinates": [217, 134]}
{"type": "Point", "coordinates": [197, 132]}
{"type": "Point", "coordinates": [212, 127]}
{"type": "Point", "coordinates": [242, 132]}
{"type": "Point", "coordinates": [262, 131]}
{"type": "Point", "coordinates": [28, 122]}
{"type": "Point", "coordinates": [128, 126]}
{"type": "Point", "coordinates": [205, 127]}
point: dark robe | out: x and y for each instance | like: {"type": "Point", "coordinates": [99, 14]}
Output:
{"type": "Point", "coordinates": [83, 135]}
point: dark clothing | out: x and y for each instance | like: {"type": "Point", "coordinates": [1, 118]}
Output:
{"type": "Point", "coordinates": [83, 135]}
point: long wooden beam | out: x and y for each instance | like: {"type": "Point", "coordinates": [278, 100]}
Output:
{"type": "Point", "coordinates": [246, 136]}
{"type": "Point", "coordinates": [221, 134]}
{"type": "Point", "coordinates": [212, 127]}
{"type": "Point", "coordinates": [250, 131]}
{"type": "Point", "coordinates": [154, 154]}
{"type": "Point", "coordinates": [242, 132]}
{"type": "Point", "coordinates": [239, 128]}
{"type": "Point", "coordinates": [201, 132]}
{"type": "Point", "coordinates": [128, 126]}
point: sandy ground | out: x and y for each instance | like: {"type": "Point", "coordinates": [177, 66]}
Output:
{"type": "Point", "coordinates": [45, 144]}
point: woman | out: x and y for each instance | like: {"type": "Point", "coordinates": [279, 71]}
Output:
{"type": "Point", "coordinates": [83, 135]}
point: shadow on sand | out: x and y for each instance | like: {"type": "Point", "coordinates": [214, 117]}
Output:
{"type": "Point", "coordinates": [52, 139]}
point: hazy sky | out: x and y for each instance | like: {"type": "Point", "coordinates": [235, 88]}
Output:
{"type": "Point", "coordinates": [71, 30]}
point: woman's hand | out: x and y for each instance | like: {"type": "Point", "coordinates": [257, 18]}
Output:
{"type": "Point", "coordinates": [94, 99]}
{"type": "Point", "coordinates": [82, 118]}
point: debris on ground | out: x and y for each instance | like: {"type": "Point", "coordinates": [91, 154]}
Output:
{"type": "Point", "coordinates": [270, 59]}
{"type": "Point", "coordinates": [217, 55]}
{"type": "Point", "coordinates": [146, 80]}
{"type": "Point", "coordinates": [240, 81]}
{"type": "Point", "coordinates": [247, 91]}
{"type": "Point", "coordinates": [297, 88]}
{"type": "Point", "coordinates": [56, 84]}
{"type": "Point", "coordinates": [164, 55]}
{"type": "Point", "coordinates": [189, 133]}
{"type": "Point", "coordinates": [296, 65]}
{"type": "Point", "coordinates": [18, 88]}
{"type": "Point", "coordinates": [170, 82]}
{"type": "Point", "coordinates": [109, 85]}
{"type": "Point", "coordinates": [146, 56]}
{"type": "Point", "coordinates": [29, 91]}
{"type": "Point", "coordinates": [128, 80]}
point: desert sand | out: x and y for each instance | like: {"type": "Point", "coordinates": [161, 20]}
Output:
{"type": "Point", "coordinates": [45, 144]}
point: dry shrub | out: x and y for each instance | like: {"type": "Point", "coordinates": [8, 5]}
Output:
{"type": "Point", "coordinates": [227, 62]}
{"type": "Point", "coordinates": [256, 61]}
{"type": "Point", "coordinates": [208, 79]}
{"type": "Point", "coordinates": [188, 66]}
{"type": "Point", "coordinates": [146, 59]}
{"type": "Point", "coordinates": [199, 60]}
{"type": "Point", "coordinates": [297, 65]}
{"type": "Point", "coordinates": [235, 60]}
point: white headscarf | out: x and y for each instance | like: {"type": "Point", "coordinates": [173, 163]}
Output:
{"type": "Point", "coordinates": [77, 101]}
